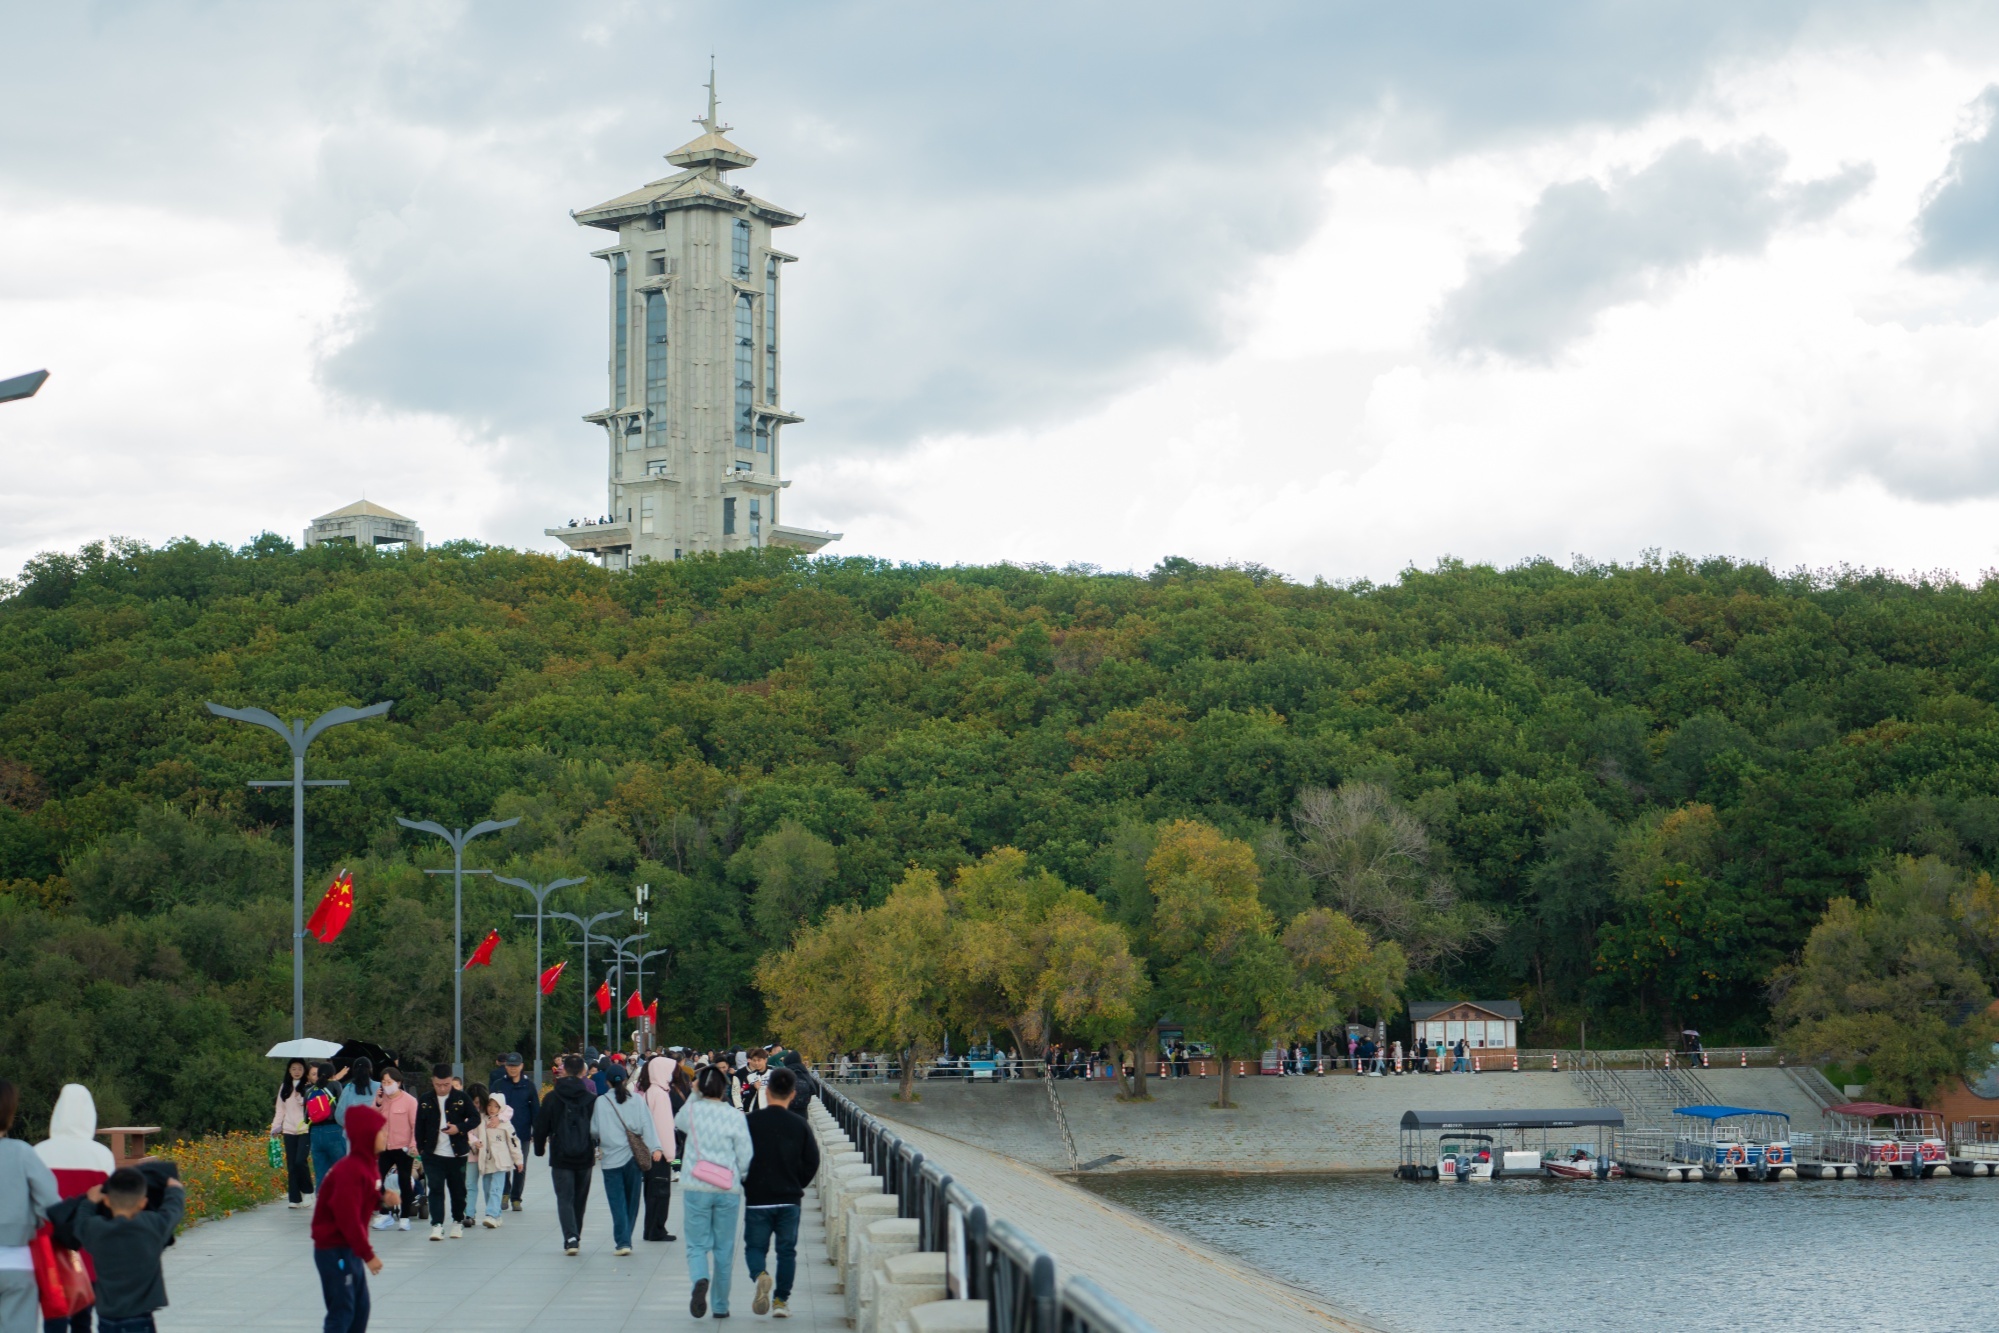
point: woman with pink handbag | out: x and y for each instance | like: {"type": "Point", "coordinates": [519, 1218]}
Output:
{"type": "Point", "coordinates": [711, 1196]}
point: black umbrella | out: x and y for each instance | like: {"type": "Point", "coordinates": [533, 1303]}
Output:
{"type": "Point", "coordinates": [379, 1057]}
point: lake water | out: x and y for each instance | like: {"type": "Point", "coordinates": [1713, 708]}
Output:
{"type": "Point", "coordinates": [1625, 1255]}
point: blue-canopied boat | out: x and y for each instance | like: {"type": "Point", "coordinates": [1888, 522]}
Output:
{"type": "Point", "coordinates": [1738, 1142]}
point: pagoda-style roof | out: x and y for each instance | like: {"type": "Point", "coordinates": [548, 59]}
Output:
{"type": "Point", "coordinates": [364, 509]}
{"type": "Point", "coordinates": [698, 187]}
{"type": "Point", "coordinates": [711, 150]}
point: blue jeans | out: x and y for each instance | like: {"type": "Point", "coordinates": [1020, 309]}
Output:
{"type": "Point", "coordinates": [709, 1223]}
{"type": "Point", "coordinates": [772, 1223]}
{"type": "Point", "coordinates": [343, 1281]}
{"type": "Point", "coordinates": [623, 1187]}
{"type": "Point", "coordinates": [329, 1145]}
{"type": "Point", "coordinates": [493, 1185]}
{"type": "Point", "coordinates": [138, 1323]}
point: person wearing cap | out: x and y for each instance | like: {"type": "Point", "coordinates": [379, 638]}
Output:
{"type": "Point", "coordinates": [511, 1084]}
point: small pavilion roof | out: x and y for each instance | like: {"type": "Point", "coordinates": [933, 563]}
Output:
{"type": "Point", "coordinates": [364, 509]}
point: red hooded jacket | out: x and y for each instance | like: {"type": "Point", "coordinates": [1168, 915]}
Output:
{"type": "Point", "coordinates": [351, 1190]}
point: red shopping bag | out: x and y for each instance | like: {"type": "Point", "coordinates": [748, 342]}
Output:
{"type": "Point", "coordinates": [59, 1276]}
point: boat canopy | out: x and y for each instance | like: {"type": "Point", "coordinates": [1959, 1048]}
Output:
{"type": "Point", "coordinates": [1872, 1109]}
{"type": "Point", "coordinates": [1565, 1118]}
{"type": "Point", "coordinates": [1724, 1112]}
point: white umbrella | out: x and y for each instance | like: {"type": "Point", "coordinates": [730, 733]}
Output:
{"type": "Point", "coordinates": [304, 1048]}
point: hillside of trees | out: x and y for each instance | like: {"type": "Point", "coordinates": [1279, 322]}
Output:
{"type": "Point", "coordinates": [1680, 793]}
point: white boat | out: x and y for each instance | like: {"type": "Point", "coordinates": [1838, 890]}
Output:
{"type": "Point", "coordinates": [1581, 1164]}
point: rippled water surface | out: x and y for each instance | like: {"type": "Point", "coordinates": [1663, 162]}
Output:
{"type": "Point", "coordinates": [1625, 1255]}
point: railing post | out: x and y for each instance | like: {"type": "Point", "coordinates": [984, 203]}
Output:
{"type": "Point", "coordinates": [1041, 1285]}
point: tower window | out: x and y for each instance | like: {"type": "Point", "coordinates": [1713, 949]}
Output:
{"type": "Point", "coordinates": [756, 519]}
{"type": "Point", "coordinates": [621, 321]}
{"type": "Point", "coordinates": [656, 356]}
{"type": "Point", "coordinates": [745, 368]}
{"type": "Point", "coordinates": [647, 514]}
{"type": "Point", "coordinates": [763, 436]}
{"type": "Point", "coordinates": [739, 250]}
{"type": "Point", "coordinates": [770, 330]}
{"type": "Point", "coordinates": [656, 263]}
{"type": "Point", "coordinates": [729, 516]}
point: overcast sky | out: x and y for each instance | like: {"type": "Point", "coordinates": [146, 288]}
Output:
{"type": "Point", "coordinates": [1331, 287]}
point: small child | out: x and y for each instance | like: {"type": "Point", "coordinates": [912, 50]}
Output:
{"type": "Point", "coordinates": [496, 1150]}
{"type": "Point", "coordinates": [126, 1247]}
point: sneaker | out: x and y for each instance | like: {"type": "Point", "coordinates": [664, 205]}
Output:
{"type": "Point", "coordinates": [516, 1203]}
{"type": "Point", "coordinates": [779, 1310]}
{"type": "Point", "coordinates": [457, 1230]}
{"type": "Point", "coordinates": [698, 1304]}
{"type": "Point", "coordinates": [489, 1224]}
{"type": "Point", "coordinates": [403, 1225]}
{"type": "Point", "coordinates": [384, 1222]}
{"type": "Point", "coordinates": [569, 1250]}
{"type": "Point", "coordinates": [295, 1204]}
{"type": "Point", "coordinates": [622, 1251]}
{"type": "Point", "coordinates": [761, 1304]}
{"type": "Point", "coordinates": [496, 1222]}
{"type": "Point", "coordinates": [437, 1233]}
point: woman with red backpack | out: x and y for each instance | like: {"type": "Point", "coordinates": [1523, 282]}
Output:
{"type": "Point", "coordinates": [328, 1141]}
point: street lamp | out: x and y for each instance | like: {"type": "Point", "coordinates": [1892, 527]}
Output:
{"type": "Point", "coordinates": [638, 961]}
{"type": "Point", "coordinates": [540, 892]}
{"type": "Point", "coordinates": [587, 926]}
{"type": "Point", "coordinates": [458, 838]}
{"type": "Point", "coordinates": [298, 736]}
{"type": "Point", "coordinates": [619, 950]}
{"type": "Point", "coordinates": [22, 386]}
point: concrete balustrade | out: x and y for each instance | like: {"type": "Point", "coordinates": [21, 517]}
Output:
{"type": "Point", "coordinates": [844, 1194]}
{"type": "Point", "coordinates": [904, 1283]}
{"type": "Point", "coordinates": [947, 1317]}
{"type": "Point", "coordinates": [870, 1245]}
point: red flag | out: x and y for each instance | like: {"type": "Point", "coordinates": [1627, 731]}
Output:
{"type": "Point", "coordinates": [652, 1013]}
{"type": "Point", "coordinates": [335, 906]}
{"type": "Point", "coordinates": [603, 997]}
{"type": "Point", "coordinates": [548, 978]}
{"type": "Point", "coordinates": [483, 955]}
{"type": "Point", "coordinates": [634, 1008]}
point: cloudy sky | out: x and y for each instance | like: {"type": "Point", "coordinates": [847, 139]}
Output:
{"type": "Point", "coordinates": [1333, 287]}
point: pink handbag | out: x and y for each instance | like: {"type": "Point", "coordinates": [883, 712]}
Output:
{"type": "Point", "coordinates": [714, 1173]}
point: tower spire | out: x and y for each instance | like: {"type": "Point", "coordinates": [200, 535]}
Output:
{"type": "Point", "coordinates": [708, 122]}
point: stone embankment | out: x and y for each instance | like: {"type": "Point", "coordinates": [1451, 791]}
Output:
{"type": "Point", "coordinates": [1337, 1122]}
{"type": "Point", "coordinates": [1171, 1282]}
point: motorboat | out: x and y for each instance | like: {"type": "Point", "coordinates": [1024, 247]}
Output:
{"type": "Point", "coordinates": [1904, 1141]}
{"type": "Point", "coordinates": [1464, 1157]}
{"type": "Point", "coordinates": [1582, 1164]}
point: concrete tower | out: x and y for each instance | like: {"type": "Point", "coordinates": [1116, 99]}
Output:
{"type": "Point", "coordinates": [694, 426]}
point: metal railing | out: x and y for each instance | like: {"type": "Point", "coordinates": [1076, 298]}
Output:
{"type": "Point", "coordinates": [986, 1258]}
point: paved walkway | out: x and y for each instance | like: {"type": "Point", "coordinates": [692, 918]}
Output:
{"type": "Point", "coordinates": [255, 1271]}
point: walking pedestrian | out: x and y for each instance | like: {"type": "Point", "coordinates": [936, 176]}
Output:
{"type": "Point", "coordinates": [562, 1134]}
{"type": "Point", "coordinates": [784, 1157]}
{"type": "Point", "coordinates": [511, 1083]}
{"type": "Point", "coordinates": [627, 1143]}
{"type": "Point", "coordinates": [357, 1088]}
{"type": "Point", "coordinates": [443, 1120]}
{"type": "Point", "coordinates": [125, 1241]}
{"type": "Point", "coordinates": [324, 1139]}
{"type": "Point", "coordinates": [79, 1162]}
{"type": "Point", "coordinates": [288, 1125]}
{"type": "Point", "coordinates": [805, 1085]}
{"type": "Point", "coordinates": [348, 1195]}
{"type": "Point", "coordinates": [496, 1151]}
{"type": "Point", "coordinates": [398, 1110]}
{"type": "Point", "coordinates": [663, 1100]}
{"type": "Point", "coordinates": [28, 1190]}
{"type": "Point", "coordinates": [475, 1096]}
{"type": "Point", "coordinates": [719, 1152]}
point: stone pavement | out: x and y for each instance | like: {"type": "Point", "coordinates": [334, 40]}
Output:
{"type": "Point", "coordinates": [1176, 1284]}
{"type": "Point", "coordinates": [255, 1271]}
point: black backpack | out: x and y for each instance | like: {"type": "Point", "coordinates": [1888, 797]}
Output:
{"type": "Point", "coordinates": [572, 1131]}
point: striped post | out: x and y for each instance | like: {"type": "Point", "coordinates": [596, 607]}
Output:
{"type": "Point", "coordinates": [1555, 1061]}
{"type": "Point", "coordinates": [1745, 1057]}
{"type": "Point", "coordinates": [1516, 1062]}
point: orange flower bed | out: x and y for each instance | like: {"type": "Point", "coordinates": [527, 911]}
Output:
{"type": "Point", "coordinates": [224, 1172]}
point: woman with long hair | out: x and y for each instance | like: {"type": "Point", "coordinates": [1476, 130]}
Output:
{"type": "Point", "coordinates": [325, 1137]}
{"type": "Point", "coordinates": [27, 1191]}
{"type": "Point", "coordinates": [616, 1119]}
{"type": "Point", "coordinates": [711, 1195]}
{"type": "Point", "coordinates": [288, 1124]}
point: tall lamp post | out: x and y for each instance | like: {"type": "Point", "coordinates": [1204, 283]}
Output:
{"type": "Point", "coordinates": [298, 736]}
{"type": "Point", "coordinates": [638, 962]}
{"type": "Point", "coordinates": [458, 838]}
{"type": "Point", "coordinates": [587, 926]}
{"type": "Point", "coordinates": [540, 892]}
{"type": "Point", "coordinates": [620, 950]}
{"type": "Point", "coordinates": [22, 386]}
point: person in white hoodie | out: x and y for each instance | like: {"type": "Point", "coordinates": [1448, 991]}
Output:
{"type": "Point", "coordinates": [656, 1086]}
{"type": "Point", "coordinates": [79, 1162]}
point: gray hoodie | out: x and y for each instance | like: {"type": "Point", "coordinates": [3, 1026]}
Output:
{"type": "Point", "coordinates": [27, 1192]}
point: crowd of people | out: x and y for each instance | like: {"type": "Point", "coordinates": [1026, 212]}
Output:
{"type": "Point", "coordinates": [372, 1151]}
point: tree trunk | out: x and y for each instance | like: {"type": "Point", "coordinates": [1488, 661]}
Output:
{"type": "Point", "coordinates": [1148, 1050]}
{"type": "Point", "coordinates": [908, 1091]}
{"type": "Point", "coordinates": [1224, 1104]}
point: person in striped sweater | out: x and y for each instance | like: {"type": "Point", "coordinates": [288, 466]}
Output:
{"type": "Point", "coordinates": [717, 1156]}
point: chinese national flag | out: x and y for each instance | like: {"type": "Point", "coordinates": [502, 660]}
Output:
{"type": "Point", "coordinates": [548, 978]}
{"type": "Point", "coordinates": [330, 917]}
{"type": "Point", "coordinates": [652, 1013]}
{"type": "Point", "coordinates": [483, 955]}
{"type": "Point", "coordinates": [633, 1007]}
{"type": "Point", "coordinates": [603, 997]}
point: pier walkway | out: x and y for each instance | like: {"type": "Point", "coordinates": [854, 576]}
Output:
{"type": "Point", "coordinates": [255, 1271]}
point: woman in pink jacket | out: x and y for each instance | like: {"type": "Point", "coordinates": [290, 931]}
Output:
{"type": "Point", "coordinates": [398, 1110]}
{"type": "Point", "coordinates": [656, 1086]}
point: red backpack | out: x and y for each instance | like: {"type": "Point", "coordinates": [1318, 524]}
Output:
{"type": "Point", "coordinates": [318, 1106]}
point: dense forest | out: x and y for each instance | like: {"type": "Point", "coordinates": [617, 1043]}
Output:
{"type": "Point", "coordinates": [1674, 793]}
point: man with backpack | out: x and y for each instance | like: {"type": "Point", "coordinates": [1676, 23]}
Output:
{"type": "Point", "coordinates": [562, 1134]}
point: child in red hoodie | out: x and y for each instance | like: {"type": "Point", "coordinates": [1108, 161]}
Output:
{"type": "Point", "coordinates": [347, 1198]}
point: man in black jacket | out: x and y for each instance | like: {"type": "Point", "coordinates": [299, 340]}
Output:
{"type": "Point", "coordinates": [783, 1159]}
{"type": "Point", "coordinates": [443, 1120]}
{"type": "Point", "coordinates": [512, 1085]}
{"type": "Point", "coordinates": [562, 1134]}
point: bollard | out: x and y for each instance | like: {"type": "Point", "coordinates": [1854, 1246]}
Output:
{"type": "Point", "coordinates": [1745, 1057]}
{"type": "Point", "coordinates": [1704, 1063]}
{"type": "Point", "coordinates": [1516, 1062]}
{"type": "Point", "coordinates": [1555, 1061]}
{"type": "Point", "coordinates": [1474, 1062]}
{"type": "Point", "coordinates": [1669, 1059]}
